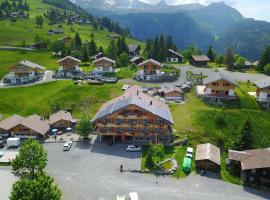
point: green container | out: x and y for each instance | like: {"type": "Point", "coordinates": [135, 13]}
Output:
{"type": "Point", "coordinates": [186, 167]}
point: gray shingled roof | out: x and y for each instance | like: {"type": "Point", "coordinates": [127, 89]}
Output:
{"type": "Point", "coordinates": [27, 63]}
{"type": "Point", "coordinates": [133, 47]}
{"type": "Point", "coordinates": [217, 77]}
{"type": "Point", "coordinates": [201, 58]}
{"type": "Point", "coordinates": [208, 152]}
{"type": "Point", "coordinates": [150, 60]}
{"type": "Point", "coordinates": [263, 83]}
{"type": "Point", "coordinates": [135, 58]}
{"type": "Point", "coordinates": [104, 58]}
{"type": "Point", "coordinates": [175, 53]}
{"type": "Point", "coordinates": [135, 96]}
{"type": "Point", "coordinates": [11, 122]}
{"type": "Point", "coordinates": [69, 57]}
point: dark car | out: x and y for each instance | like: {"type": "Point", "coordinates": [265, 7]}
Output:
{"type": "Point", "coordinates": [2, 144]}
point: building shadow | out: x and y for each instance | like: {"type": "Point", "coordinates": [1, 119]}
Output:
{"type": "Point", "coordinates": [84, 145]}
{"type": "Point", "coordinates": [258, 192]}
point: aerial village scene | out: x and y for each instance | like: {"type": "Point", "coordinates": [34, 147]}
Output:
{"type": "Point", "coordinates": [89, 111]}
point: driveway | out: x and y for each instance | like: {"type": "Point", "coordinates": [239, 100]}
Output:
{"type": "Point", "coordinates": [6, 181]}
{"type": "Point", "coordinates": [91, 172]}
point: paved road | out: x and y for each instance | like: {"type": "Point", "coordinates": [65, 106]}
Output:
{"type": "Point", "coordinates": [237, 76]}
{"type": "Point", "coordinates": [91, 172]}
{"type": "Point", "coordinates": [6, 181]}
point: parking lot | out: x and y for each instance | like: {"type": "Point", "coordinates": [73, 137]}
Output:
{"type": "Point", "coordinates": [91, 172]}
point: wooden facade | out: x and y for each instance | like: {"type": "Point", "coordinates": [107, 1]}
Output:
{"type": "Point", "coordinates": [207, 165]}
{"type": "Point", "coordinates": [69, 64]}
{"type": "Point", "coordinates": [62, 124]}
{"type": "Point", "coordinates": [132, 121]}
{"type": "Point", "coordinates": [150, 68]}
{"type": "Point", "coordinates": [220, 88]}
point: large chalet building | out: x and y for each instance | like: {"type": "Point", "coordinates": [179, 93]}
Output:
{"type": "Point", "coordinates": [218, 87]}
{"type": "Point", "coordinates": [263, 92]}
{"type": "Point", "coordinates": [103, 65]}
{"type": "Point", "coordinates": [134, 116]}
{"type": "Point", "coordinates": [150, 70]}
{"type": "Point", "coordinates": [24, 72]}
{"type": "Point", "coordinates": [68, 68]}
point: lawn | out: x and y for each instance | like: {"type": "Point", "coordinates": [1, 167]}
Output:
{"type": "Point", "coordinates": [83, 99]}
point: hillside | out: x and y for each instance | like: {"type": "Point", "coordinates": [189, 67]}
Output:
{"type": "Point", "coordinates": [23, 32]}
{"type": "Point", "coordinates": [190, 24]}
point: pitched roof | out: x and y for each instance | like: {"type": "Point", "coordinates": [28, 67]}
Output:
{"type": "Point", "coordinates": [135, 58]}
{"type": "Point", "coordinates": [151, 61]}
{"type": "Point", "coordinates": [248, 63]}
{"type": "Point", "coordinates": [252, 159]}
{"type": "Point", "coordinates": [171, 89]}
{"type": "Point", "coordinates": [36, 123]}
{"type": "Point", "coordinates": [11, 122]}
{"type": "Point", "coordinates": [135, 96]}
{"type": "Point", "coordinates": [217, 77]}
{"type": "Point", "coordinates": [208, 152]}
{"type": "Point", "coordinates": [200, 58]}
{"type": "Point", "coordinates": [104, 58]}
{"type": "Point", "coordinates": [69, 57]}
{"type": "Point", "coordinates": [263, 83]}
{"type": "Point", "coordinates": [61, 115]}
{"type": "Point", "coordinates": [133, 47]}
{"type": "Point", "coordinates": [175, 53]}
{"type": "Point", "coordinates": [27, 63]}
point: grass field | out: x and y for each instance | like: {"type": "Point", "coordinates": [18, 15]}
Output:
{"type": "Point", "coordinates": [83, 99]}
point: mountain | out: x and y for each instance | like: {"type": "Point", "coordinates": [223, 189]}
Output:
{"type": "Point", "coordinates": [217, 24]}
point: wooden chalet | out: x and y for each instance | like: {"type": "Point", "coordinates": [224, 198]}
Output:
{"type": "Point", "coordinates": [253, 166]}
{"type": "Point", "coordinates": [207, 158]}
{"type": "Point", "coordinates": [24, 72]}
{"type": "Point", "coordinates": [134, 50]}
{"type": "Point", "coordinates": [69, 67]}
{"type": "Point", "coordinates": [33, 126]}
{"type": "Point", "coordinates": [219, 87]}
{"type": "Point", "coordinates": [150, 70]}
{"type": "Point", "coordinates": [61, 120]}
{"type": "Point", "coordinates": [248, 65]}
{"type": "Point", "coordinates": [104, 64]}
{"type": "Point", "coordinates": [172, 94]}
{"type": "Point", "coordinates": [199, 60]}
{"type": "Point", "coordinates": [136, 60]}
{"type": "Point", "coordinates": [263, 92]}
{"type": "Point", "coordinates": [174, 56]}
{"type": "Point", "coordinates": [135, 116]}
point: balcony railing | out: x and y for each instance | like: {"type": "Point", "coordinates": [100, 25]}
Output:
{"type": "Point", "coordinates": [222, 96]}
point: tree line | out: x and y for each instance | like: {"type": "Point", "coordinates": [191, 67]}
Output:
{"type": "Point", "coordinates": [7, 7]}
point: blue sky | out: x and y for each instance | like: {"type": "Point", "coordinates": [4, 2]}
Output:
{"type": "Point", "coordinates": [258, 9]}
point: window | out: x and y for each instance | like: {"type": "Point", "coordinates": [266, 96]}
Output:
{"type": "Point", "coordinates": [214, 83]}
{"type": "Point", "coordinates": [268, 95]}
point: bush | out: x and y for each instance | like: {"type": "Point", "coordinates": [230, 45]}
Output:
{"type": "Point", "coordinates": [149, 162]}
{"type": "Point", "coordinates": [220, 120]}
{"type": "Point", "coordinates": [267, 69]}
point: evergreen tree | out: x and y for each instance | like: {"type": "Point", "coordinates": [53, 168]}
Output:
{"type": "Point", "coordinates": [112, 51]}
{"type": "Point", "coordinates": [122, 45]}
{"type": "Point", "coordinates": [77, 41]}
{"type": "Point", "coordinates": [265, 58]}
{"type": "Point", "coordinates": [155, 52]}
{"type": "Point", "coordinates": [211, 54]}
{"type": "Point", "coordinates": [122, 61]}
{"type": "Point", "coordinates": [39, 20]}
{"type": "Point", "coordinates": [92, 48]}
{"type": "Point", "coordinates": [228, 60]}
{"type": "Point", "coordinates": [100, 49]}
{"type": "Point", "coordinates": [85, 55]}
{"type": "Point", "coordinates": [149, 162]}
{"type": "Point", "coordinates": [162, 49]}
{"type": "Point", "coordinates": [246, 136]}
{"type": "Point", "coordinates": [148, 49]}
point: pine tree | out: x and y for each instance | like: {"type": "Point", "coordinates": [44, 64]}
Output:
{"type": "Point", "coordinates": [148, 49]}
{"type": "Point", "coordinates": [39, 20]}
{"type": "Point", "coordinates": [155, 52]}
{"type": "Point", "coordinates": [162, 50]}
{"type": "Point", "coordinates": [246, 136]}
{"type": "Point", "coordinates": [92, 48]}
{"type": "Point", "coordinates": [211, 54]}
{"type": "Point", "coordinates": [149, 162]}
{"type": "Point", "coordinates": [77, 41]}
{"type": "Point", "coordinates": [228, 60]}
{"type": "Point", "coordinates": [85, 55]}
{"type": "Point", "coordinates": [100, 49]}
{"type": "Point", "coordinates": [112, 51]}
{"type": "Point", "coordinates": [265, 58]}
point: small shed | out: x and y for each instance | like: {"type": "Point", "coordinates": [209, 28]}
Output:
{"type": "Point", "coordinates": [199, 60]}
{"type": "Point", "coordinates": [207, 158]}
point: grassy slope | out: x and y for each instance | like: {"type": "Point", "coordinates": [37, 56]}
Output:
{"type": "Point", "coordinates": [82, 99]}
{"type": "Point", "coordinates": [13, 33]}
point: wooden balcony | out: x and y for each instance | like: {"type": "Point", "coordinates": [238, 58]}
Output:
{"type": "Point", "coordinates": [220, 96]}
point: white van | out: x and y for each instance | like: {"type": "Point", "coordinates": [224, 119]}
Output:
{"type": "Point", "coordinates": [13, 142]}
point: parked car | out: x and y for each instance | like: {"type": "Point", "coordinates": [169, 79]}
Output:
{"type": "Point", "coordinates": [13, 142]}
{"type": "Point", "coordinates": [125, 87]}
{"type": "Point", "coordinates": [133, 148]}
{"type": "Point", "coordinates": [67, 145]}
{"type": "Point", "coordinates": [2, 144]}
